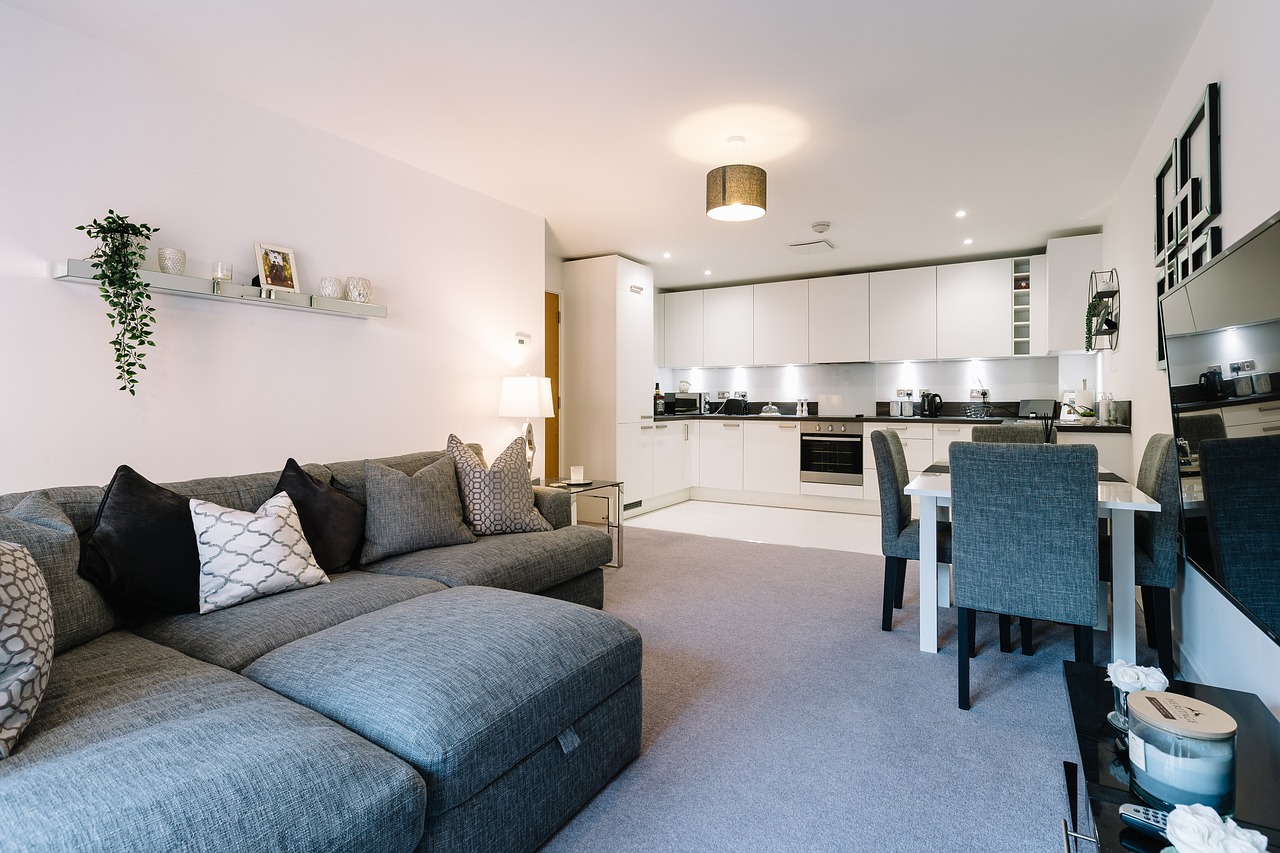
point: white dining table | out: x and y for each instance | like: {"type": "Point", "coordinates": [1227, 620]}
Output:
{"type": "Point", "coordinates": [1117, 501]}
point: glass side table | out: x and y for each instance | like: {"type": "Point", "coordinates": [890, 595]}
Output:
{"type": "Point", "coordinates": [611, 491]}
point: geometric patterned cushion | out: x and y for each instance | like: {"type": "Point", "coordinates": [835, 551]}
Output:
{"type": "Point", "coordinates": [246, 555]}
{"type": "Point", "coordinates": [497, 499]}
{"type": "Point", "coordinates": [26, 641]}
{"type": "Point", "coordinates": [412, 513]}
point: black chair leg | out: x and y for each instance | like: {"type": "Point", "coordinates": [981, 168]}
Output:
{"type": "Point", "coordinates": [1163, 618]}
{"type": "Point", "coordinates": [965, 616]}
{"type": "Point", "coordinates": [971, 635]}
{"type": "Point", "coordinates": [1084, 644]}
{"type": "Point", "coordinates": [1024, 627]}
{"type": "Point", "coordinates": [1006, 633]}
{"type": "Point", "coordinates": [902, 582]}
{"type": "Point", "coordinates": [890, 581]}
{"type": "Point", "coordinates": [1149, 615]}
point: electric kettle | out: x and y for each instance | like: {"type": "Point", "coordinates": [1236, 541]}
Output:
{"type": "Point", "coordinates": [1212, 385]}
{"type": "Point", "coordinates": [931, 406]}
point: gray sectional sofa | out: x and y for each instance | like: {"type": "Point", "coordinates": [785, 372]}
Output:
{"type": "Point", "coordinates": [463, 698]}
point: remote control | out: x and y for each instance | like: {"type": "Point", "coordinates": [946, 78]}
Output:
{"type": "Point", "coordinates": [1144, 819]}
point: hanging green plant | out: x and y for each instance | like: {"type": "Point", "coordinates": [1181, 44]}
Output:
{"type": "Point", "coordinates": [122, 246]}
{"type": "Point", "coordinates": [1090, 315]}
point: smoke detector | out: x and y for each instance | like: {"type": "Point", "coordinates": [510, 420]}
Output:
{"type": "Point", "coordinates": [821, 227]}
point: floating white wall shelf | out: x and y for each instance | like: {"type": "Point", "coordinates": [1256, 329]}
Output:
{"type": "Point", "coordinates": [204, 288]}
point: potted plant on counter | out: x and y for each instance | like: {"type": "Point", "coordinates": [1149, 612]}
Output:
{"type": "Point", "coordinates": [122, 246]}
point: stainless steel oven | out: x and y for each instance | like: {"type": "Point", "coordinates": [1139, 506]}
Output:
{"type": "Point", "coordinates": [831, 452]}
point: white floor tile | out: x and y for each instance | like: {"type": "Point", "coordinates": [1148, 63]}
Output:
{"type": "Point", "coordinates": [837, 531]}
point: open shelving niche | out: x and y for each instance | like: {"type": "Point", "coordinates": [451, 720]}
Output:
{"type": "Point", "coordinates": [1022, 306]}
{"type": "Point", "coordinates": [206, 288]}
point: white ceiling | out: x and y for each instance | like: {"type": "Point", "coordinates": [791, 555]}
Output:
{"type": "Point", "coordinates": [882, 117]}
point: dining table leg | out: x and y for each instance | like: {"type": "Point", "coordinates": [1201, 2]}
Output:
{"type": "Point", "coordinates": [1124, 627]}
{"type": "Point", "coordinates": [929, 574]}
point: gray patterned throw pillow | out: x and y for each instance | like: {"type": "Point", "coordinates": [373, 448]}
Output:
{"type": "Point", "coordinates": [411, 513]}
{"type": "Point", "coordinates": [26, 641]}
{"type": "Point", "coordinates": [246, 555]}
{"type": "Point", "coordinates": [497, 499]}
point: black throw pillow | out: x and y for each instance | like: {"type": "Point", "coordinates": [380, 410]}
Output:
{"type": "Point", "coordinates": [141, 553]}
{"type": "Point", "coordinates": [332, 522]}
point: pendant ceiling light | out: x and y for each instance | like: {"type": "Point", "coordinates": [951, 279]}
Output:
{"type": "Point", "coordinates": [736, 193]}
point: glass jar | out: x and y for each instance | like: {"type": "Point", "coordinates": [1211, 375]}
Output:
{"type": "Point", "coordinates": [1181, 751]}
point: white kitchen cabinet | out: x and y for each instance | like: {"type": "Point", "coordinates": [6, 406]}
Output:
{"type": "Point", "coordinates": [1115, 449]}
{"type": "Point", "coordinates": [945, 434]}
{"type": "Point", "coordinates": [1253, 419]}
{"type": "Point", "coordinates": [635, 460]}
{"type": "Point", "coordinates": [660, 330]}
{"type": "Point", "coordinates": [1068, 262]}
{"type": "Point", "coordinates": [668, 457]}
{"type": "Point", "coordinates": [1030, 307]}
{"type": "Point", "coordinates": [683, 333]}
{"type": "Point", "coordinates": [720, 445]}
{"type": "Point", "coordinates": [691, 454]}
{"type": "Point", "coordinates": [903, 320]}
{"type": "Point", "coordinates": [973, 309]}
{"type": "Point", "coordinates": [771, 457]}
{"type": "Point", "coordinates": [607, 373]}
{"type": "Point", "coordinates": [781, 323]}
{"type": "Point", "coordinates": [839, 307]}
{"type": "Point", "coordinates": [728, 326]}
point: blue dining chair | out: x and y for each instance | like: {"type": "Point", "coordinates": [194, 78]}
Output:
{"type": "Point", "coordinates": [899, 532]}
{"type": "Point", "coordinates": [1241, 479]}
{"type": "Point", "coordinates": [1024, 539]}
{"type": "Point", "coordinates": [1195, 428]}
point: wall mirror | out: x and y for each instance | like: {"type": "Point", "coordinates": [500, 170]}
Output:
{"type": "Point", "coordinates": [1222, 345]}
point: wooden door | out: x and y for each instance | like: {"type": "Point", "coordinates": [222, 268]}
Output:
{"type": "Point", "coordinates": [551, 361]}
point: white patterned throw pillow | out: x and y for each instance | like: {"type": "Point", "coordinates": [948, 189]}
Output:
{"type": "Point", "coordinates": [246, 555]}
{"type": "Point", "coordinates": [497, 499]}
{"type": "Point", "coordinates": [26, 641]}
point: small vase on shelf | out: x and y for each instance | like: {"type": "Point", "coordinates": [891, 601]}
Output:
{"type": "Point", "coordinates": [359, 289]}
{"type": "Point", "coordinates": [172, 261]}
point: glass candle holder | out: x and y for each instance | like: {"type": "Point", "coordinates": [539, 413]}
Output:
{"type": "Point", "coordinates": [221, 271]}
{"type": "Point", "coordinates": [359, 289]}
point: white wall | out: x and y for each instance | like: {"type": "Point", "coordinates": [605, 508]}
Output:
{"type": "Point", "coordinates": [1236, 46]}
{"type": "Point", "coordinates": [234, 388]}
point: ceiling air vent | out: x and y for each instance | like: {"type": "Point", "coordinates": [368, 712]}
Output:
{"type": "Point", "coordinates": [812, 248]}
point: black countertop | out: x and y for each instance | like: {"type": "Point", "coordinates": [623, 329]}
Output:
{"type": "Point", "coordinates": [1062, 427]}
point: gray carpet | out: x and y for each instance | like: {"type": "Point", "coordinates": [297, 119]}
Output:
{"type": "Point", "coordinates": [779, 717]}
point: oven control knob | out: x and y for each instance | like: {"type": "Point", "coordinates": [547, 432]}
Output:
{"type": "Point", "coordinates": [843, 428]}
{"type": "Point", "coordinates": [831, 428]}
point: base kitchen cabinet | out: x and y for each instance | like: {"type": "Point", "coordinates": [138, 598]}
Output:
{"type": "Point", "coordinates": [635, 461]}
{"type": "Point", "coordinates": [669, 444]}
{"type": "Point", "coordinates": [720, 446]}
{"type": "Point", "coordinates": [771, 457]}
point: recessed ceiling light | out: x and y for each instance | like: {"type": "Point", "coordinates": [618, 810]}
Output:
{"type": "Point", "coordinates": [961, 214]}
{"type": "Point", "coordinates": [968, 241]}
{"type": "Point", "coordinates": [666, 254]}
{"type": "Point", "coordinates": [706, 272]}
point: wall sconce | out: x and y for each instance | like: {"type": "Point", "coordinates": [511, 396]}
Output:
{"type": "Point", "coordinates": [524, 338]}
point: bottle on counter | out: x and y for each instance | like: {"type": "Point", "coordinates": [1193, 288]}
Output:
{"type": "Point", "coordinates": [659, 401]}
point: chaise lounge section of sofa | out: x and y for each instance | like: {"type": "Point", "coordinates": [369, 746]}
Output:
{"type": "Point", "coordinates": [461, 698]}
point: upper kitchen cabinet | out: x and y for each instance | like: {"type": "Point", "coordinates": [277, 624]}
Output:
{"type": "Point", "coordinates": [728, 326]}
{"type": "Point", "coordinates": [839, 318]}
{"type": "Point", "coordinates": [683, 312]}
{"type": "Point", "coordinates": [1030, 307]}
{"type": "Point", "coordinates": [781, 323]}
{"type": "Point", "coordinates": [1069, 260]}
{"type": "Point", "coordinates": [660, 329]}
{"type": "Point", "coordinates": [904, 304]}
{"type": "Point", "coordinates": [973, 309]}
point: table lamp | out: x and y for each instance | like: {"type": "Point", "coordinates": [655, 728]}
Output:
{"type": "Point", "coordinates": [526, 397]}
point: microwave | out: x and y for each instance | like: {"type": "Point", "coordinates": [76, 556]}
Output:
{"type": "Point", "coordinates": [683, 403]}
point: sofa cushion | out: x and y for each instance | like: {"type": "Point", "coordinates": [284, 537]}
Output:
{"type": "Point", "coordinates": [333, 522]}
{"type": "Point", "coordinates": [499, 498]}
{"type": "Point", "coordinates": [246, 555]}
{"type": "Point", "coordinates": [235, 637]}
{"type": "Point", "coordinates": [138, 747]}
{"type": "Point", "coordinates": [80, 613]}
{"type": "Point", "coordinates": [411, 513]}
{"type": "Point", "coordinates": [141, 553]}
{"type": "Point", "coordinates": [26, 641]}
{"type": "Point", "coordinates": [524, 562]}
{"type": "Point", "coordinates": [348, 477]}
{"type": "Point", "coordinates": [462, 684]}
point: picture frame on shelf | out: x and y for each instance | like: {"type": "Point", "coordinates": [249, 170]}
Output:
{"type": "Point", "coordinates": [277, 267]}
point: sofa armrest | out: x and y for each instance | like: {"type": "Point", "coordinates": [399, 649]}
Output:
{"type": "Point", "coordinates": [555, 505]}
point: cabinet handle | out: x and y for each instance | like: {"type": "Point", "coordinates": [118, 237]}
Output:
{"type": "Point", "coordinates": [686, 432]}
{"type": "Point", "coordinates": [1269, 408]}
{"type": "Point", "coordinates": [660, 426]}
{"type": "Point", "coordinates": [730, 426]}
{"type": "Point", "coordinates": [646, 426]}
{"type": "Point", "coordinates": [898, 428]}
{"type": "Point", "coordinates": [646, 417]}
{"type": "Point", "coordinates": [635, 288]}
{"type": "Point", "coordinates": [1271, 429]}
{"type": "Point", "coordinates": [949, 429]}
{"type": "Point", "coordinates": [788, 426]}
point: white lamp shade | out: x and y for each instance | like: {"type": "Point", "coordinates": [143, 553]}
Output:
{"type": "Point", "coordinates": [526, 397]}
